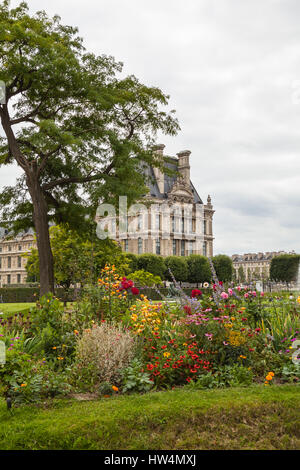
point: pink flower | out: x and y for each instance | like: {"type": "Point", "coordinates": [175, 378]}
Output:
{"type": "Point", "coordinates": [239, 288]}
{"type": "Point", "coordinates": [230, 291]}
{"type": "Point", "coordinates": [246, 295]}
{"type": "Point", "coordinates": [224, 295]}
{"type": "Point", "coordinates": [262, 294]}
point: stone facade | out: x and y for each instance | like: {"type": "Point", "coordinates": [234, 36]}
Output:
{"type": "Point", "coordinates": [12, 263]}
{"type": "Point", "coordinates": [175, 221]}
{"type": "Point", "coordinates": [256, 266]}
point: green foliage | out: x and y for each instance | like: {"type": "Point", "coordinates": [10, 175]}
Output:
{"type": "Point", "coordinates": [144, 279]}
{"type": "Point", "coordinates": [224, 267]}
{"type": "Point", "coordinates": [132, 262]}
{"type": "Point", "coordinates": [227, 376]}
{"type": "Point", "coordinates": [105, 388]}
{"type": "Point", "coordinates": [198, 269]}
{"type": "Point", "coordinates": [284, 267]}
{"type": "Point", "coordinates": [54, 330]}
{"type": "Point", "coordinates": [178, 266]}
{"type": "Point", "coordinates": [77, 259]}
{"type": "Point", "coordinates": [152, 263]}
{"type": "Point", "coordinates": [134, 379]}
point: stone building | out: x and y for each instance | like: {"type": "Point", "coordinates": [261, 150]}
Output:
{"type": "Point", "coordinates": [12, 263]}
{"type": "Point", "coordinates": [173, 220]}
{"type": "Point", "coordinates": [254, 266]}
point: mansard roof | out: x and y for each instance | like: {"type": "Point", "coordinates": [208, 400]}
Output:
{"type": "Point", "coordinates": [169, 181]}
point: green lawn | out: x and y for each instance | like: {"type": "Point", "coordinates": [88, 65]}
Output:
{"type": "Point", "coordinates": [256, 417]}
{"type": "Point", "coordinates": [11, 308]}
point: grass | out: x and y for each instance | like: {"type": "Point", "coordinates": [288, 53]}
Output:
{"type": "Point", "coordinates": [11, 308]}
{"type": "Point", "coordinates": [256, 417]}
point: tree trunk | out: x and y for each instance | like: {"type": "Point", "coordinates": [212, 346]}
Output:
{"type": "Point", "coordinates": [40, 220]}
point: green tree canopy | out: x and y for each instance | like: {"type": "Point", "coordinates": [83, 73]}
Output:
{"type": "Point", "coordinates": [79, 131]}
{"type": "Point", "coordinates": [284, 268]}
{"type": "Point", "coordinates": [198, 269]}
{"type": "Point", "coordinates": [152, 263]}
{"type": "Point", "coordinates": [224, 267]}
{"type": "Point", "coordinates": [77, 259]}
{"type": "Point", "coordinates": [178, 267]}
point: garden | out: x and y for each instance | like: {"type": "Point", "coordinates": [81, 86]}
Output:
{"type": "Point", "coordinates": [115, 343]}
{"type": "Point", "coordinates": [115, 340]}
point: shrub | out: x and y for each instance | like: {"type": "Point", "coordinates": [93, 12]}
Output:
{"type": "Point", "coordinates": [144, 279]}
{"type": "Point", "coordinates": [178, 266]}
{"type": "Point", "coordinates": [198, 269]}
{"type": "Point", "coordinates": [134, 380]}
{"type": "Point", "coordinates": [224, 267]}
{"type": "Point", "coordinates": [109, 348]}
{"type": "Point", "coordinates": [151, 263]}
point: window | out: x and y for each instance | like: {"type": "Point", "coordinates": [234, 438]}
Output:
{"type": "Point", "coordinates": [157, 246]}
{"type": "Point", "coordinates": [0, 263]}
{"type": "Point", "coordinates": [19, 278]}
{"type": "Point", "coordinates": [140, 246]}
{"type": "Point", "coordinates": [182, 248]}
{"type": "Point", "coordinates": [174, 247]}
{"type": "Point", "coordinates": [19, 262]}
{"type": "Point", "coordinates": [204, 227]}
{"type": "Point", "coordinates": [191, 225]}
{"type": "Point", "coordinates": [140, 222]}
{"type": "Point", "coordinates": [157, 221]}
{"type": "Point", "coordinates": [204, 249]}
{"type": "Point", "coordinates": [20, 248]}
{"type": "Point", "coordinates": [191, 247]}
{"type": "Point", "coordinates": [9, 248]}
{"type": "Point", "coordinates": [173, 224]}
{"type": "Point", "coordinates": [8, 279]}
{"type": "Point", "coordinates": [9, 262]}
{"type": "Point", "coordinates": [125, 245]}
{"type": "Point", "coordinates": [182, 224]}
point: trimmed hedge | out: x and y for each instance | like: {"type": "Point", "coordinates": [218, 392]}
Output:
{"type": "Point", "coordinates": [30, 294]}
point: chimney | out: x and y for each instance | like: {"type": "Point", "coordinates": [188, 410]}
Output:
{"type": "Point", "coordinates": [184, 166]}
{"type": "Point", "coordinates": [159, 175]}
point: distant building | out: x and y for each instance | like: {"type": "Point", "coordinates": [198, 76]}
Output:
{"type": "Point", "coordinates": [12, 263]}
{"type": "Point", "coordinates": [254, 266]}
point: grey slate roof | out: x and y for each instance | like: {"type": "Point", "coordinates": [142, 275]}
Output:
{"type": "Point", "coordinates": [169, 181]}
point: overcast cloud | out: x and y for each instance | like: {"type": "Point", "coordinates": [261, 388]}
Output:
{"type": "Point", "coordinates": [232, 70]}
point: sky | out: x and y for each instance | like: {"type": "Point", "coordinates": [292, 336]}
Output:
{"type": "Point", "coordinates": [232, 70]}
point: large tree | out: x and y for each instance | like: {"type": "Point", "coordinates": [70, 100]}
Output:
{"type": "Point", "coordinates": [79, 132]}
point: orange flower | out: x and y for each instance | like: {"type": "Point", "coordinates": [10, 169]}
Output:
{"type": "Point", "coordinates": [115, 388]}
{"type": "Point", "coordinates": [23, 385]}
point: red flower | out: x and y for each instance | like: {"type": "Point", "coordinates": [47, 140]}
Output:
{"type": "Point", "coordinates": [135, 291]}
{"type": "Point", "coordinates": [187, 309]}
{"type": "Point", "coordinates": [196, 293]}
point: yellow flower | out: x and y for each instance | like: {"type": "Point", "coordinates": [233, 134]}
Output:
{"type": "Point", "coordinates": [167, 354]}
